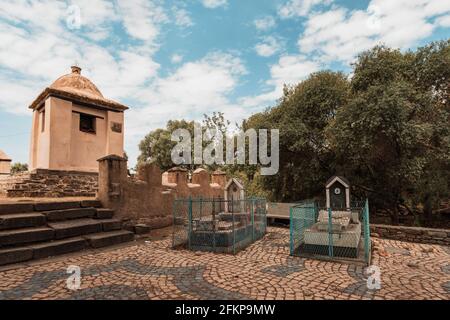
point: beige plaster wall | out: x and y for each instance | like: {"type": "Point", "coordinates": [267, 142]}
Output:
{"type": "Point", "coordinates": [114, 140]}
{"type": "Point", "coordinates": [5, 167]}
{"type": "Point", "coordinates": [32, 162]}
{"type": "Point", "coordinates": [59, 126]}
{"type": "Point", "coordinates": [40, 137]}
{"type": "Point", "coordinates": [87, 148]}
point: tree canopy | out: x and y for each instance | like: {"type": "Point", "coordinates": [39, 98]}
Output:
{"type": "Point", "coordinates": [385, 127]}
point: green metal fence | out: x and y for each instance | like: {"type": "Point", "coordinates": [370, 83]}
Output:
{"type": "Point", "coordinates": [218, 225]}
{"type": "Point", "coordinates": [331, 233]}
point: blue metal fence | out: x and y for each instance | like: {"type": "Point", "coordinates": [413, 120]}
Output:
{"type": "Point", "coordinates": [331, 233]}
{"type": "Point", "coordinates": [218, 225]}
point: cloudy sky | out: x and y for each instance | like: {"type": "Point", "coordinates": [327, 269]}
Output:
{"type": "Point", "coordinates": [173, 59]}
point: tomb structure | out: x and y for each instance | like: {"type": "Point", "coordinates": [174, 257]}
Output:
{"type": "Point", "coordinates": [225, 224]}
{"type": "Point", "coordinates": [340, 230]}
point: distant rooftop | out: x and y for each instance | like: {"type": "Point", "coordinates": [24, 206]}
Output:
{"type": "Point", "coordinates": [4, 156]}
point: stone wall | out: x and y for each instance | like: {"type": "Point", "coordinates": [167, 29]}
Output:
{"type": "Point", "coordinates": [49, 184]}
{"type": "Point", "coordinates": [412, 234]}
{"type": "Point", "coordinates": [148, 198]}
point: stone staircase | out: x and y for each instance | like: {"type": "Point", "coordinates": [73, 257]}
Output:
{"type": "Point", "coordinates": [44, 229]}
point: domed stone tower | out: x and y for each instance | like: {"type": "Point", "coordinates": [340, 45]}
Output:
{"type": "Point", "coordinates": [74, 125]}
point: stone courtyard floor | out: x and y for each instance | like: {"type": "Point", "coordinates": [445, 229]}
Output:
{"type": "Point", "coordinates": [151, 270]}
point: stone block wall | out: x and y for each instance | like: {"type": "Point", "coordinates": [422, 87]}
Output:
{"type": "Point", "coordinates": [49, 184]}
{"type": "Point", "coordinates": [412, 234]}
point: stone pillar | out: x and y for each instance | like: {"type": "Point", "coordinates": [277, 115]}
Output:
{"type": "Point", "coordinates": [112, 177]}
{"type": "Point", "coordinates": [177, 175]}
{"type": "Point", "coordinates": [219, 177]}
{"type": "Point", "coordinates": [151, 174]}
{"type": "Point", "coordinates": [201, 177]}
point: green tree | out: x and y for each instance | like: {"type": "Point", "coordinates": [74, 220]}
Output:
{"type": "Point", "coordinates": [391, 130]}
{"type": "Point", "coordinates": [302, 117]}
{"type": "Point", "coordinates": [156, 147]}
{"type": "Point", "coordinates": [19, 167]}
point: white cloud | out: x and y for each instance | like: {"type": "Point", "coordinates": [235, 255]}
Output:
{"type": "Point", "coordinates": [269, 46]}
{"type": "Point", "coordinates": [299, 8]}
{"type": "Point", "coordinates": [194, 88]}
{"type": "Point", "coordinates": [444, 21]}
{"type": "Point", "coordinates": [176, 58]}
{"type": "Point", "coordinates": [289, 70]}
{"type": "Point", "coordinates": [265, 23]}
{"type": "Point", "coordinates": [182, 17]}
{"type": "Point", "coordinates": [31, 13]}
{"type": "Point", "coordinates": [141, 18]}
{"type": "Point", "coordinates": [35, 51]}
{"type": "Point", "coordinates": [214, 3]}
{"type": "Point", "coordinates": [339, 34]}
{"type": "Point", "coordinates": [95, 13]}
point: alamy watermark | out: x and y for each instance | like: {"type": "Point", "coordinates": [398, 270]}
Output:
{"type": "Point", "coordinates": [73, 20]}
{"type": "Point", "coordinates": [73, 282]}
{"type": "Point", "coordinates": [374, 277]}
{"type": "Point", "coordinates": [223, 149]}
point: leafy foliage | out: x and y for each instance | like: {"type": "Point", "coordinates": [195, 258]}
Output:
{"type": "Point", "coordinates": [386, 128]}
{"type": "Point", "coordinates": [19, 167]}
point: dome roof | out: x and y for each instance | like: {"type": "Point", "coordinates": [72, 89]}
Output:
{"type": "Point", "coordinates": [74, 82]}
{"type": "Point", "coordinates": [4, 156]}
{"type": "Point", "coordinates": [74, 87]}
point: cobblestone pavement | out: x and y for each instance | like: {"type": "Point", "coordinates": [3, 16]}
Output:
{"type": "Point", "coordinates": [152, 270]}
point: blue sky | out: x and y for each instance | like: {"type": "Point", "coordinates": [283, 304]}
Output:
{"type": "Point", "coordinates": [180, 59]}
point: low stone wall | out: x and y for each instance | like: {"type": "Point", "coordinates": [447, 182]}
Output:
{"type": "Point", "coordinates": [412, 234]}
{"type": "Point", "coordinates": [49, 184]}
{"type": "Point", "coordinates": [148, 198]}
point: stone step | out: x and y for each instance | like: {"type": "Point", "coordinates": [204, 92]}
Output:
{"type": "Point", "coordinates": [15, 255]}
{"type": "Point", "coordinates": [26, 235]}
{"type": "Point", "coordinates": [48, 206]}
{"type": "Point", "coordinates": [104, 214]}
{"type": "Point", "coordinates": [21, 220]}
{"type": "Point", "coordinates": [69, 214]}
{"type": "Point", "coordinates": [54, 248]}
{"type": "Point", "coordinates": [109, 238]}
{"type": "Point", "coordinates": [91, 204]}
{"type": "Point", "coordinates": [10, 208]}
{"type": "Point", "coordinates": [74, 228]}
{"type": "Point", "coordinates": [111, 224]}
{"type": "Point", "coordinates": [141, 228]}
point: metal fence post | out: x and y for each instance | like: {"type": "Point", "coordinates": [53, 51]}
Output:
{"type": "Point", "coordinates": [234, 235]}
{"type": "Point", "coordinates": [366, 232]}
{"type": "Point", "coordinates": [330, 234]}
{"type": "Point", "coordinates": [316, 211]}
{"type": "Point", "coordinates": [201, 208]}
{"type": "Point", "coordinates": [291, 233]}
{"type": "Point", "coordinates": [253, 219]}
{"type": "Point", "coordinates": [214, 225]}
{"type": "Point", "coordinates": [173, 223]}
{"type": "Point", "coordinates": [189, 222]}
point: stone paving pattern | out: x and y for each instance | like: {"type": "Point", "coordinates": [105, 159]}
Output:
{"type": "Point", "coordinates": [152, 270]}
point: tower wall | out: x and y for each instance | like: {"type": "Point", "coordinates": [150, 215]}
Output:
{"type": "Point", "coordinates": [58, 143]}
